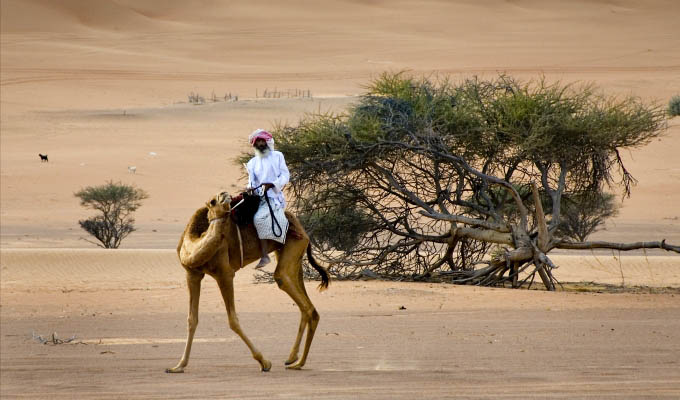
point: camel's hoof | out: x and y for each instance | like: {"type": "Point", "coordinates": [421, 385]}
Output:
{"type": "Point", "coordinates": [290, 361]}
{"type": "Point", "coordinates": [266, 366]}
{"type": "Point", "coordinates": [174, 370]}
{"type": "Point", "coordinates": [295, 367]}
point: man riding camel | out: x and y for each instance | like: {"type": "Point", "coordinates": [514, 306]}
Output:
{"type": "Point", "coordinates": [267, 175]}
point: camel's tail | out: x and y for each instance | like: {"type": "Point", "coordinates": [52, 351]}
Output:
{"type": "Point", "coordinates": [325, 279]}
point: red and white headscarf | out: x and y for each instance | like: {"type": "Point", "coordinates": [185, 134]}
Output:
{"type": "Point", "coordinates": [261, 134]}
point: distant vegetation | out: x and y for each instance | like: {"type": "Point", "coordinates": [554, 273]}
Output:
{"type": "Point", "coordinates": [283, 93]}
{"type": "Point", "coordinates": [115, 202]}
{"type": "Point", "coordinates": [197, 99]}
{"type": "Point", "coordinates": [674, 106]}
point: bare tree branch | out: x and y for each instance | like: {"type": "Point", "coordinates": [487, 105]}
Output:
{"type": "Point", "coordinates": [617, 246]}
{"type": "Point", "coordinates": [467, 220]}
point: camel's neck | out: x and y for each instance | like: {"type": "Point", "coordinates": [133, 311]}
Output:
{"type": "Point", "coordinates": [216, 226]}
{"type": "Point", "coordinates": [201, 242]}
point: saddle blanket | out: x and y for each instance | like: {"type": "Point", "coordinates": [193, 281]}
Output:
{"type": "Point", "coordinates": [266, 227]}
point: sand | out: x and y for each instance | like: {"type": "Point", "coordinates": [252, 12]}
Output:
{"type": "Point", "coordinates": [102, 85]}
{"type": "Point", "coordinates": [127, 309]}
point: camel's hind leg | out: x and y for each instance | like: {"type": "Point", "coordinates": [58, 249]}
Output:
{"type": "Point", "coordinates": [225, 280]}
{"type": "Point", "coordinates": [194, 284]}
{"type": "Point", "coordinates": [301, 329]}
{"type": "Point", "coordinates": [288, 276]}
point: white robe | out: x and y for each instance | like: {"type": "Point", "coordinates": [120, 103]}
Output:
{"type": "Point", "coordinates": [270, 168]}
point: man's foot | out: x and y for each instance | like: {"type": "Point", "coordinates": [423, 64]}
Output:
{"type": "Point", "coordinates": [263, 261]}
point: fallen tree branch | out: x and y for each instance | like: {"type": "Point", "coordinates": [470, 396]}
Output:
{"type": "Point", "coordinates": [52, 339]}
{"type": "Point", "coordinates": [467, 220]}
{"type": "Point", "coordinates": [617, 246]}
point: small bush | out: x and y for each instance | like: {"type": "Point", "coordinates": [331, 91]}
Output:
{"type": "Point", "coordinates": [674, 106]}
{"type": "Point", "coordinates": [583, 214]}
{"type": "Point", "coordinates": [116, 202]}
{"type": "Point", "coordinates": [195, 98]}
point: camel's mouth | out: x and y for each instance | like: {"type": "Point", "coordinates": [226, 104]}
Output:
{"type": "Point", "coordinates": [220, 198]}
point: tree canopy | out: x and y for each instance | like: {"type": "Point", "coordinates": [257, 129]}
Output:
{"type": "Point", "coordinates": [424, 176]}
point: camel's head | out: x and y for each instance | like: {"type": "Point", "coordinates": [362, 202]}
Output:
{"type": "Point", "coordinates": [219, 206]}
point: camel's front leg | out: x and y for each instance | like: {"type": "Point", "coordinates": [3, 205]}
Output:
{"type": "Point", "coordinates": [194, 284]}
{"type": "Point", "coordinates": [226, 284]}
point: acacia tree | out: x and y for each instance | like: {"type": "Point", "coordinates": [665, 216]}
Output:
{"type": "Point", "coordinates": [423, 177]}
{"type": "Point", "coordinates": [116, 202]}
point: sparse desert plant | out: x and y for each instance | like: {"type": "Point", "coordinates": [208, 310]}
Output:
{"type": "Point", "coordinates": [674, 106]}
{"type": "Point", "coordinates": [195, 98]}
{"type": "Point", "coordinates": [115, 202]}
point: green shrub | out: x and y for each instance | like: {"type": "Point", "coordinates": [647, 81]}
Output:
{"type": "Point", "coordinates": [674, 106]}
{"type": "Point", "coordinates": [340, 228]}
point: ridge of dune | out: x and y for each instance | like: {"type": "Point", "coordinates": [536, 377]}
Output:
{"type": "Point", "coordinates": [340, 16]}
{"type": "Point", "coordinates": [70, 16]}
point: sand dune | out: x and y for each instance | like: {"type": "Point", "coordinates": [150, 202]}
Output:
{"type": "Point", "coordinates": [98, 85]}
{"type": "Point", "coordinates": [75, 16]}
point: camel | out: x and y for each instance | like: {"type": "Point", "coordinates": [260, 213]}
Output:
{"type": "Point", "coordinates": [213, 244]}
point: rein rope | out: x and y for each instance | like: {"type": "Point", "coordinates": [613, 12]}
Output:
{"type": "Point", "coordinates": [271, 212]}
{"type": "Point", "coordinates": [274, 220]}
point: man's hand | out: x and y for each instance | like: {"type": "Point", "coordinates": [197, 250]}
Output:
{"type": "Point", "coordinates": [267, 186]}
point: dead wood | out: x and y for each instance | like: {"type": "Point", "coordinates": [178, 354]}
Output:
{"type": "Point", "coordinates": [617, 246]}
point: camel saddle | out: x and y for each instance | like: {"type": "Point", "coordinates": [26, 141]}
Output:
{"type": "Point", "coordinates": [244, 213]}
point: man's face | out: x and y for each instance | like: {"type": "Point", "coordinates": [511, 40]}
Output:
{"type": "Point", "coordinates": [261, 145]}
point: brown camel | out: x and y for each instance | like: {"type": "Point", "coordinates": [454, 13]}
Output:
{"type": "Point", "coordinates": [210, 245]}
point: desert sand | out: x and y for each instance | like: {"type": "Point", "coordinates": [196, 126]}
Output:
{"type": "Point", "coordinates": [102, 85]}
